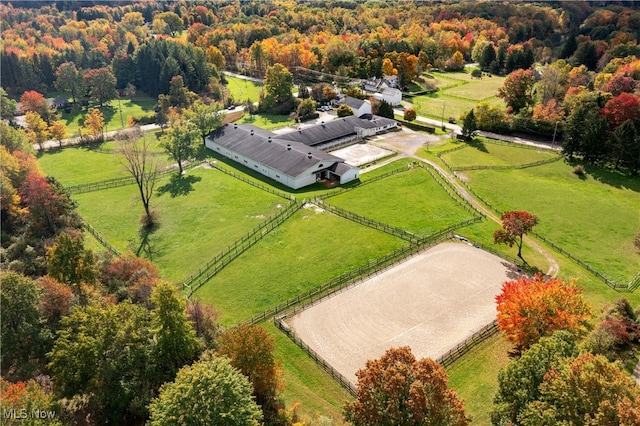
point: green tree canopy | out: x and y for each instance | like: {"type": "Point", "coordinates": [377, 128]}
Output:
{"type": "Point", "coordinates": [68, 79]}
{"type": "Point", "coordinates": [519, 381]}
{"type": "Point", "coordinates": [181, 142]}
{"type": "Point", "coordinates": [207, 118]}
{"type": "Point", "coordinates": [209, 392]}
{"type": "Point", "coordinates": [176, 343]}
{"type": "Point", "coordinates": [24, 339]}
{"type": "Point", "coordinates": [469, 125]}
{"type": "Point", "coordinates": [102, 354]}
{"type": "Point", "coordinates": [277, 96]}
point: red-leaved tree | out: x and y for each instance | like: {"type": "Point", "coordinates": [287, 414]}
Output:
{"type": "Point", "coordinates": [397, 389]}
{"type": "Point", "coordinates": [531, 308]}
{"type": "Point", "coordinates": [625, 106]}
{"type": "Point", "coordinates": [517, 91]}
{"type": "Point", "coordinates": [32, 101]}
{"type": "Point", "coordinates": [514, 225]}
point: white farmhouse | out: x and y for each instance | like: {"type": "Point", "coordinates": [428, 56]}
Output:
{"type": "Point", "coordinates": [391, 96]}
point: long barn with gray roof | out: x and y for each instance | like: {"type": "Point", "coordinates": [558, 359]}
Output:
{"type": "Point", "coordinates": [294, 159]}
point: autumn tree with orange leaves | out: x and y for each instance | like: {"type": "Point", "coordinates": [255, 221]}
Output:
{"type": "Point", "coordinates": [397, 389]}
{"type": "Point", "coordinates": [514, 225]}
{"type": "Point", "coordinates": [531, 308]}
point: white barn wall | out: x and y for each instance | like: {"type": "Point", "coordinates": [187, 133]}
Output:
{"type": "Point", "coordinates": [247, 162]}
{"type": "Point", "coordinates": [349, 176]}
{"type": "Point", "coordinates": [308, 177]}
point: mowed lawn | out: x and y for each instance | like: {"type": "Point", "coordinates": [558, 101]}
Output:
{"type": "Point", "coordinates": [307, 250]}
{"type": "Point", "coordinates": [595, 218]}
{"type": "Point", "coordinates": [201, 213]}
{"type": "Point", "coordinates": [92, 163]}
{"type": "Point", "coordinates": [410, 200]}
{"type": "Point", "coordinates": [137, 107]}
{"type": "Point", "coordinates": [483, 152]}
{"type": "Point", "coordinates": [242, 89]}
{"type": "Point", "coordinates": [458, 93]}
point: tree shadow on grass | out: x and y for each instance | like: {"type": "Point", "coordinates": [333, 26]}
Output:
{"type": "Point", "coordinates": [147, 247]}
{"type": "Point", "coordinates": [612, 177]}
{"type": "Point", "coordinates": [179, 185]}
{"type": "Point", "coordinates": [477, 144]}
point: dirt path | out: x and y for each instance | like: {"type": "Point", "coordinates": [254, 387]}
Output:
{"type": "Point", "coordinates": [407, 144]}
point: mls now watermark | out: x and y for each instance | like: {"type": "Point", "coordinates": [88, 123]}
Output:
{"type": "Point", "coordinates": [23, 413]}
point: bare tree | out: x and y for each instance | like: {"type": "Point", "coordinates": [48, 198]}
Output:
{"type": "Point", "coordinates": [142, 165]}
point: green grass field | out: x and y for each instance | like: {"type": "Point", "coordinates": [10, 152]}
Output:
{"type": "Point", "coordinates": [201, 213]}
{"type": "Point", "coordinates": [482, 152]}
{"type": "Point", "coordinates": [307, 250]}
{"type": "Point", "coordinates": [595, 218]}
{"type": "Point", "coordinates": [241, 89]}
{"type": "Point", "coordinates": [411, 200]}
{"type": "Point", "coordinates": [267, 121]}
{"type": "Point", "coordinates": [92, 163]}
{"type": "Point", "coordinates": [137, 107]}
{"type": "Point", "coordinates": [458, 93]}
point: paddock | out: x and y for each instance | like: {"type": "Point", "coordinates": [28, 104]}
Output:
{"type": "Point", "coordinates": [431, 302]}
{"type": "Point", "coordinates": [360, 154]}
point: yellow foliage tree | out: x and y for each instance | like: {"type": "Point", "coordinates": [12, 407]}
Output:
{"type": "Point", "coordinates": [94, 123]}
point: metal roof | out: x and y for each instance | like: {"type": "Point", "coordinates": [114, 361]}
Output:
{"type": "Point", "coordinates": [287, 156]}
{"type": "Point", "coordinates": [334, 129]}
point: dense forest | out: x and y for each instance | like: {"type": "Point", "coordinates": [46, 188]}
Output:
{"type": "Point", "coordinates": [95, 337]}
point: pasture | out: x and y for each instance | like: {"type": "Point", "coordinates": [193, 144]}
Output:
{"type": "Point", "coordinates": [458, 93]}
{"type": "Point", "coordinates": [483, 152]}
{"type": "Point", "coordinates": [201, 213]}
{"type": "Point", "coordinates": [90, 163]}
{"type": "Point", "coordinates": [205, 211]}
{"type": "Point", "coordinates": [241, 89]}
{"type": "Point", "coordinates": [307, 250]}
{"type": "Point", "coordinates": [411, 200]}
{"type": "Point", "coordinates": [116, 113]}
{"type": "Point", "coordinates": [595, 218]}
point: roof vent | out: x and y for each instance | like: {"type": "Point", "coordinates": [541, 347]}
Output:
{"type": "Point", "coordinates": [269, 139]}
{"type": "Point", "coordinates": [235, 125]}
{"type": "Point", "coordinates": [300, 129]}
{"type": "Point", "coordinates": [251, 132]}
{"type": "Point", "coordinates": [322, 123]}
{"type": "Point", "coordinates": [288, 147]}
{"type": "Point", "coordinates": [309, 155]}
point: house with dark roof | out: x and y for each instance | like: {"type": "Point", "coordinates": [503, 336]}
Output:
{"type": "Point", "coordinates": [358, 106]}
{"type": "Point", "coordinates": [295, 159]}
{"type": "Point", "coordinates": [59, 102]}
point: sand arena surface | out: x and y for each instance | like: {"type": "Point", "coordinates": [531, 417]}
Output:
{"type": "Point", "coordinates": [431, 302]}
{"type": "Point", "coordinates": [360, 154]}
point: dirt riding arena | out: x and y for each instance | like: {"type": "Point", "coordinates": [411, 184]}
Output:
{"type": "Point", "coordinates": [360, 154]}
{"type": "Point", "coordinates": [431, 302]}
